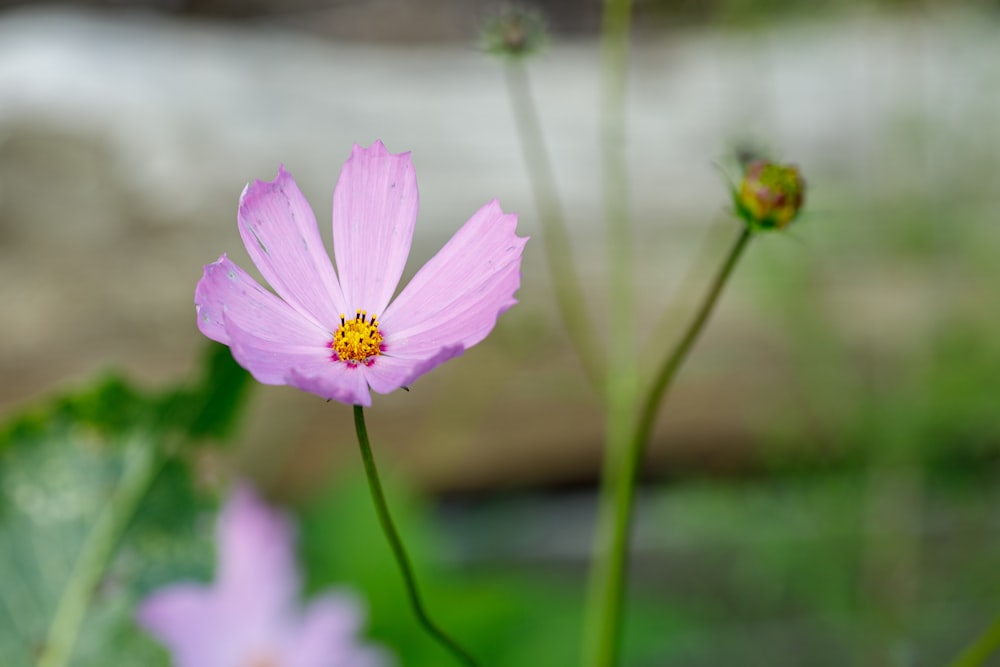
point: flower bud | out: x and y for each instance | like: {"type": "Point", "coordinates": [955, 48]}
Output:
{"type": "Point", "coordinates": [513, 31]}
{"type": "Point", "coordinates": [770, 195]}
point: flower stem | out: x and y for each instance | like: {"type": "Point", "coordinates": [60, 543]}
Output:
{"type": "Point", "coordinates": [668, 370]}
{"type": "Point", "coordinates": [565, 281]}
{"type": "Point", "coordinates": [980, 650]}
{"type": "Point", "coordinates": [601, 631]}
{"type": "Point", "coordinates": [614, 65]}
{"type": "Point", "coordinates": [615, 519]}
{"type": "Point", "coordinates": [141, 467]}
{"type": "Point", "coordinates": [396, 544]}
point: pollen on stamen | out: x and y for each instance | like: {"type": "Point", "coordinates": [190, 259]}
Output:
{"type": "Point", "coordinates": [358, 339]}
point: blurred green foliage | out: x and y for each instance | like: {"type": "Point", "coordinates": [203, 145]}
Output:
{"type": "Point", "coordinates": [61, 463]}
{"type": "Point", "coordinates": [504, 616]}
{"type": "Point", "coordinates": [761, 12]}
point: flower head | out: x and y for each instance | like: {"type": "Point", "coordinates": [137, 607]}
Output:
{"type": "Point", "coordinates": [515, 30]}
{"type": "Point", "coordinates": [250, 616]}
{"type": "Point", "coordinates": [335, 333]}
{"type": "Point", "coordinates": [771, 195]}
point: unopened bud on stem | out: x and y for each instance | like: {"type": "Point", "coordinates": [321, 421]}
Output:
{"type": "Point", "coordinates": [770, 195]}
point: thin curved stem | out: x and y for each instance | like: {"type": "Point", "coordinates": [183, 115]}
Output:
{"type": "Point", "coordinates": [558, 257]}
{"type": "Point", "coordinates": [668, 369]}
{"type": "Point", "coordinates": [980, 650]}
{"type": "Point", "coordinates": [396, 544]}
{"type": "Point", "coordinates": [666, 327]}
{"type": "Point", "coordinates": [616, 524]}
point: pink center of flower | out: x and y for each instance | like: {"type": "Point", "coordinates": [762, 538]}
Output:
{"type": "Point", "coordinates": [358, 339]}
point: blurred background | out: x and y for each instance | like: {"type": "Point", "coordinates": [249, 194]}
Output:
{"type": "Point", "coordinates": [822, 486]}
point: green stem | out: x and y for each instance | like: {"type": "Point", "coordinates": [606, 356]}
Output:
{"type": "Point", "coordinates": [396, 544]}
{"type": "Point", "coordinates": [668, 370]}
{"type": "Point", "coordinates": [559, 260]}
{"type": "Point", "coordinates": [616, 516]}
{"type": "Point", "coordinates": [622, 384]}
{"type": "Point", "coordinates": [980, 650]}
{"type": "Point", "coordinates": [601, 630]}
{"type": "Point", "coordinates": [666, 327]}
{"type": "Point", "coordinates": [603, 621]}
{"type": "Point", "coordinates": [140, 470]}
{"type": "Point", "coordinates": [614, 60]}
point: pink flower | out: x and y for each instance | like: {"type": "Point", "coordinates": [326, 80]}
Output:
{"type": "Point", "coordinates": [250, 616]}
{"type": "Point", "coordinates": [339, 335]}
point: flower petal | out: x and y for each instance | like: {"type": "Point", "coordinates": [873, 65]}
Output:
{"type": "Point", "coordinates": [389, 373]}
{"type": "Point", "coordinates": [185, 618]}
{"type": "Point", "coordinates": [374, 212]}
{"type": "Point", "coordinates": [227, 293]}
{"type": "Point", "coordinates": [333, 380]}
{"type": "Point", "coordinates": [270, 362]}
{"type": "Point", "coordinates": [326, 636]}
{"type": "Point", "coordinates": [265, 334]}
{"type": "Point", "coordinates": [279, 231]}
{"type": "Point", "coordinates": [256, 556]}
{"type": "Point", "coordinates": [456, 297]}
{"type": "Point", "coordinates": [247, 613]}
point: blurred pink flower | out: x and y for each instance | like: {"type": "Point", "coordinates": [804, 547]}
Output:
{"type": "Point", "coordinates": [339, 336]}
{"type": "Point", "coordinates": [250, 616]}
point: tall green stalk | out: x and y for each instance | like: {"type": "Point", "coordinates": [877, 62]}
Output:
{"type": "Point", "coordinates": [559, 260]}
{"type": "Point", "coordinates": [602, 623]}
{"type": "Point", "coordinates": [396, 544]}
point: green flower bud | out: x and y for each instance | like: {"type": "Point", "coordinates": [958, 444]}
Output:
{"type": "Point", "coordinates": [514, 31]}
{"type": "Point", "coordinates": [771, 195]}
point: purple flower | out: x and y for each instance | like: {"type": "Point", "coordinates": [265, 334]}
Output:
{"type": "Point", "coordinates": [250, 616]}
{"type": "Point", "coordinates": [338, 336]}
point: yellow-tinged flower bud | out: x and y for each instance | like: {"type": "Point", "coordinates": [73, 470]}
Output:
{"type": "Point", "coordinates": [771, 195]}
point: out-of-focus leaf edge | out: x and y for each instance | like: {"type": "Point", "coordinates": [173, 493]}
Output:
{"type": "Point", "coordinates": [207, 408]}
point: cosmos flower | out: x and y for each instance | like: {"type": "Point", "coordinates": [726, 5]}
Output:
{"type": "Point", "coordinates": [335, 333]}
{"type": "Point", "coordinates": [250, 616]}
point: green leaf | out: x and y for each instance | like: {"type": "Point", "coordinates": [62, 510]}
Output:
{"type": "Point", "coordinates": [97, 509]}
{"type": "Point", "coordinates": [212, 407]}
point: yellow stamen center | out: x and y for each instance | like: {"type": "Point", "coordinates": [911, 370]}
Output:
{"type": "Point", "coordinates": [358, 339]}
